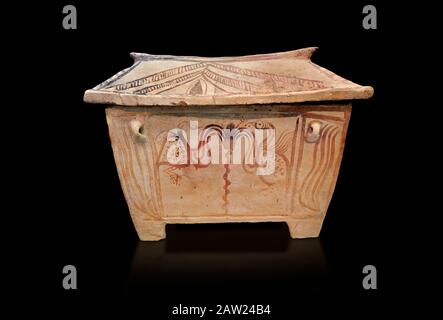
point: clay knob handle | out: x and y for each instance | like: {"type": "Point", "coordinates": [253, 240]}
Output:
{"type": "Point", "coordinates": [137, 129]}
{"type": "Point", "coordinates": [313, 133]}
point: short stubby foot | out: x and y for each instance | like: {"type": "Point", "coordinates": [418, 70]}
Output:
{"type": "Point", "coordinates": [309, 228]}
{"type": "Point", "coordinates": [149, 230]}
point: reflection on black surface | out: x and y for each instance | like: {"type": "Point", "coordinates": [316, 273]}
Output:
{"type": "Point", "coordinates": [228, 259]}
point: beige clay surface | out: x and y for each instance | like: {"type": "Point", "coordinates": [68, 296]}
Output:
{"type": "Point", "coordinates": [305, 105]}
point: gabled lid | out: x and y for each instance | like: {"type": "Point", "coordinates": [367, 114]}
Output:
{"type": "Point", "coordinates": [283, 77]}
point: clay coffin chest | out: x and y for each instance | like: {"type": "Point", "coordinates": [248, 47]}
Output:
{"type": "Point", "coordinates": [234, 139]}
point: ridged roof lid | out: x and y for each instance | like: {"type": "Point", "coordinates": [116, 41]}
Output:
{"type": "Point", "coordinates": [283, 77]}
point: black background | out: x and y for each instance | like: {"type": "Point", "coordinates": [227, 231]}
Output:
{"type": "Point", "coordinates": [86, 222]}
